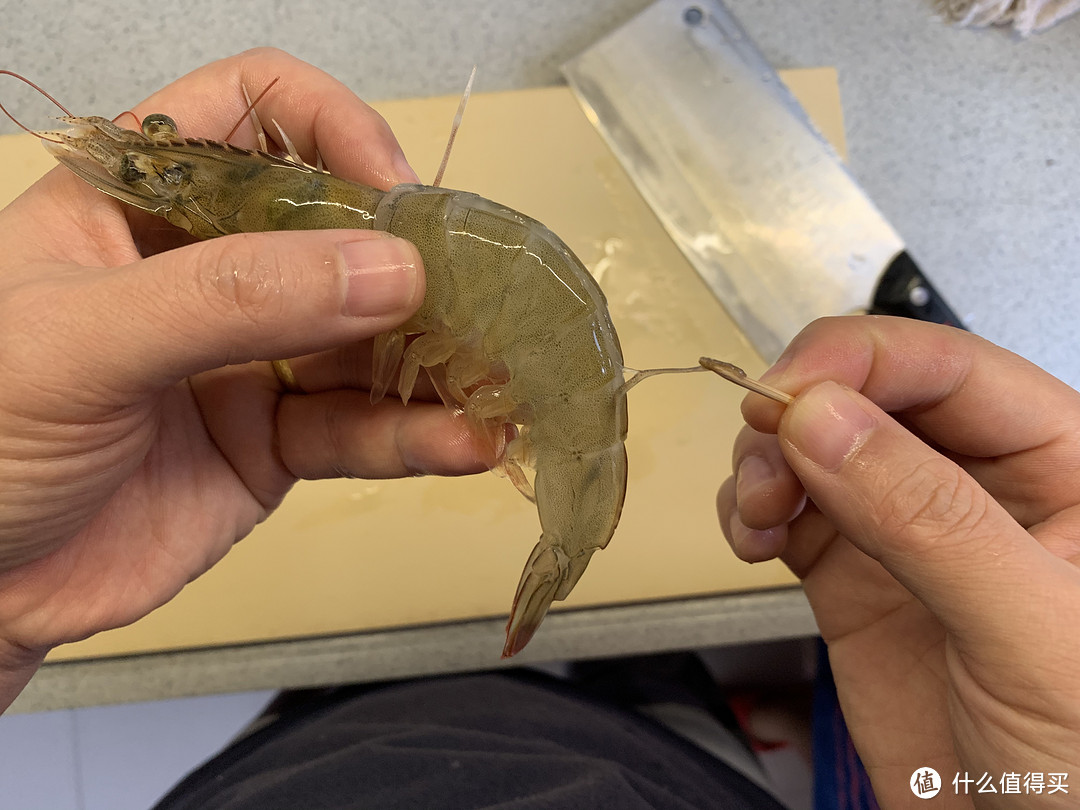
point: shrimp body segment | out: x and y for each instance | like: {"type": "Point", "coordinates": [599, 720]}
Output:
{"type": "Point", "coordinates": [513, 329]}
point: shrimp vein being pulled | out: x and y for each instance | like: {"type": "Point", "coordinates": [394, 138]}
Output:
{"type": "Point", "coordinates": [513, 328]}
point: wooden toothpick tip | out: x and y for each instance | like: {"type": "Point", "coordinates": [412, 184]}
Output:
{"type": "Point", "coordinates": [732, 373]}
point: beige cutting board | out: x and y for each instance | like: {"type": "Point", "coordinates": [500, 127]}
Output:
{"type": "Point", "coordinates": [346, 556]}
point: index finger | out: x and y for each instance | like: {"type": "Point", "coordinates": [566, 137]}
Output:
{"type": "Point", "coordinates": [314, 109]}
{"type": "Point", "coordinates": [1010, 424]}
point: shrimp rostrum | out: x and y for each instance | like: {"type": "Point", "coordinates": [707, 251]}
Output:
{"type": "Point", "coordinates": [513, 329]}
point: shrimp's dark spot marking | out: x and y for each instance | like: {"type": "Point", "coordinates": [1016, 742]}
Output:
{"type": "Point", "coordinates": [129, 172]}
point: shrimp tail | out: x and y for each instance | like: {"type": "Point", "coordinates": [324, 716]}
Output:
{"type": "Point", "coordinates": [535, 593]}
{"type": "Point", "coordinates": [549, 575]}
{"type": "Point", "coordinates": [569, 491]}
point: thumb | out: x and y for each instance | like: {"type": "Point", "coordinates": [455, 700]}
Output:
{"type": "Point", "coordinates": [920, 515]}
{"type": "Point", "coordinates": [240, 298]}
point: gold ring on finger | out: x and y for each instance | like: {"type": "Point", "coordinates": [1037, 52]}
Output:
{"type": "Point", "coordinates": [283, 371]}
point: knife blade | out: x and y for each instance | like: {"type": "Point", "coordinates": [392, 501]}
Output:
{"type": "Point", "coordinates": [753, 195]}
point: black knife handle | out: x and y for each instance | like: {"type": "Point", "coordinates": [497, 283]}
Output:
{"type": "Point", "coordinates": [904, 290]}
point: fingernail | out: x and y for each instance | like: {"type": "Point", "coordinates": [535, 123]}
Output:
{"type": "Point", "coordinates": [404, 170]}
{"type": "Point", "coordinates": [755, 545]}
{"type": "Point", "coordinates": [754, 471]}
{"type": "Point", "coordinates": [777, 369]}
{"type": "Point", "coordinates": [828, 424]}
{"type": "Point", "coordinates": [380, 273]}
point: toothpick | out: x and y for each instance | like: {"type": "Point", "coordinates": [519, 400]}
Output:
{"type": "Point", "coordinates": [733, 373]}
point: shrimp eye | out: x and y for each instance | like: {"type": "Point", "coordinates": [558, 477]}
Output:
{"type": "Point", "coordinates": [159, 127]}
{"type": "Point", "coordinates": [129, 172]}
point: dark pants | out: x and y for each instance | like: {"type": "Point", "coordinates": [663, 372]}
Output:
{"type": "Point", "coordinates": [480, 741]}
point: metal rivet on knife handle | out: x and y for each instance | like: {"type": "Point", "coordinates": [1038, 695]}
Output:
{"type": "Point", "coordinates": [693, 16]}
{"type": "Point", "coordinates": [734, 374]}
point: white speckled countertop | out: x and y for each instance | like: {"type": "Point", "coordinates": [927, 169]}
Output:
{"type": "Point", "coordinates": [967, 140]}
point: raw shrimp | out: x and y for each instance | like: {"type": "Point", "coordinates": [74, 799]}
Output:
{"type": "Point", "coordinates": [513, 329]}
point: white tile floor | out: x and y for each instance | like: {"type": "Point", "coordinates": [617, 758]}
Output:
{"type": "Point", "coordinates": [114, 757]}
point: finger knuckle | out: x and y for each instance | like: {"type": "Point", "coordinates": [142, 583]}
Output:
{"type": "Point", "coordinates": [338, 445]}
{"type": "Point", "coordinates": [935, 500]}
{"type": "Point", "coordinates": [246, 283]}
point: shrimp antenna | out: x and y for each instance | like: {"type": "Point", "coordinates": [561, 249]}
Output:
{"type": "Point", "coordinates": [454, 127]}
{"type": "Point", "coordinates": [19, 123]}
{"type": "Point", "coordinates": [138, 123]}
{"type": "Point", "coordinates": [251, 109]}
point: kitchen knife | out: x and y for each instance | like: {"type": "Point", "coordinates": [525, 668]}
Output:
{"type": "Point", "coordinates": [756, 199]}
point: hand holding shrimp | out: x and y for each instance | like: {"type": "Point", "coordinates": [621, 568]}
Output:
{"type": "Point", "coordinates": [140, 456]}
{"type": "Point", "coordinates": [488, 367]}
{"type": "Point", "coordinates": [513, 329]}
